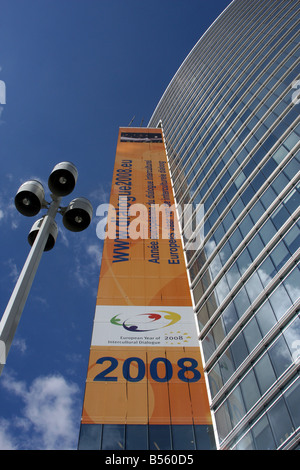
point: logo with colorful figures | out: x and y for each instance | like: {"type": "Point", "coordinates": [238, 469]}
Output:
{"type": "Point", "coordinates": [144, 322]}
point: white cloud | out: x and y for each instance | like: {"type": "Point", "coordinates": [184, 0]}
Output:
{"type": "Point", "coordinates": [12, 270]}
{"type": "Point", "coordinates": [20, 345]}
{"type": "Point", "coordinates": [63, 236]}
{"type": "Point", "coordinates": [7, 441]}
{"type": "Point", "coordinates": [49, 415]}
{"type": "Point", "coordinates": [87, 264]}
{"type": "Point", "coordinates": [95, 252]}
{"type": "Point", "coordinates": [8, 211]}
{"type": "Point", "coordinates": [100, 195]}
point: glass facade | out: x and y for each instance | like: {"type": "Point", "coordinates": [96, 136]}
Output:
{"type": "Point", "coordinates": [145, 437]}
{"type": "Point", "coordinates": [231, 127]}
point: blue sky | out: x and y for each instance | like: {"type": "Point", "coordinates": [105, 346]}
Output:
{"type": "Point", "coordinates": [75, 71]}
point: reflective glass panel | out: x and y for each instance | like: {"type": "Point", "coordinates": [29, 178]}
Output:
{"type": "Point", "coordinates": [264, 373]}
{"type": "Point", "coordinates": [113, 437]}
{"type": "Point", "coordinates": [292, 284]}
{"type": "Point", "coordinates": [280, 356]}
{"type": "Point", "coordinates": [183, 437]}
{"type": "Point", "coordinates": [252, 334]}
{"type": "Point", "coordinates": [262, 435]}
{"type": "Point", "coordinates": [204, 437]}
{"type": "Point", "coordinates": [160, 437]}
{"type": "Point", "coordinates": [136, 437]}
{"type": "Point", "coordinates": [90, 437]}
{"type": "Point", "coordinates": [292, 337]}
{"type": "Point", "coordinates": [280, 301]}
{"type": "Point", "coordinates": [266, 318]}
{"type": "Point", "coordinates": [292, 400]}
{"type": "Point", "coordinates": [250, 390]}
{"type": "Point", "coordinates": [280, 421]}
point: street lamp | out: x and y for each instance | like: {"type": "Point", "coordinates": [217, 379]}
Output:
{"type": "Point", "coordinates": [29, 200]}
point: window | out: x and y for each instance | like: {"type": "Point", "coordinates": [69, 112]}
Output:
{"type": "Point", "coordinates": [90, 437]}
{"type": "Point", "coordinates": [264, 373]}
{"type": "Point", "coordinates": [233, 276]}
{"type": "Point", "coordinates": [280, 301]}
{"type": "Point", "coordinates": [183, 437]}
{"type": "Point", "coordinates": [280, 356]}
{"type": "Point", "coordinates": [280, 216]}
{"type": "Point", "coordinates": [292, 400]}
{"type": "Point", "coordinates": [252, 334]}
{"type": "Point", "coordinates": [236, 406]}
{"type": "Point", "coordinates": [255, 246]}
{"type": "Point", "coordinates": [243, 261]}
{"type": "Point", "coordinates": [292, 337]}
{"type": "Point", "coordinates": [113, 437]}
{"type": "Point", "coordinates": [267, 231]}
{"type": "Point", "coordinates": [239, 350]}
{"type": "Point", "coordinates": [246, 443]}
{"type": "Point", "coordinates": [136, 437]}
{"type": "Point", "coordinates": [226, 365]}
{"type": "Point", "coordinates": [253, 287]}
{"type": "Point", "coordinates": [280, 255]}
{"type": "Point", "coordinates": [229, 317]}
{"type": "Point", "coordinates": [241, 302]}
{"type": "Point", "coordinates": [215, 380]}
{"type": "Point", "coordinates": [235, 239]}
{"type": "Point", "coordinates": [291, 284]}
{"type": "Point", "coordinates": [280, 421]}
{"type": "Point", "coordinates": [292, 239]}
{"type": "Point", "coordinates": [223, 421]}
{"type": "Point", "coordinates": [250, 390]}
{"type": "Point", "coordinates": [266, 272]}
{"type": "Point", "coordinates": [266, 318]}
{"type": "Point", "coordinates": [204, 437]}
{"type": "Point", "coordinates": [160, 437]}
{"type": "Point", "coordinates": [263, 436]}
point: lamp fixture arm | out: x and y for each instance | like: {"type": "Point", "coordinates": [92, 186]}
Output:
{"type": "Point", "coordinates": [13, 311]}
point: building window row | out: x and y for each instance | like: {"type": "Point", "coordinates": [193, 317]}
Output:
{"type": "Point", "coordinates": [255, 247]}
{"type": "Point", "coordinates": [281, 355]}
{"type": "Point", "coordinates": [264, 319]}
{"type": "Point", "coordinates": [218, 74]}
{"type": "Point", "coordinates": [233, 109]}
{"type": "Point", "coordinates": [228, 181]}
{"type": "Point", "coordinates": [230, 190]}
{"type": "Point", "coordinates": [237, 86]}
{"type": "Point", "coordinates": [211, 39]}
{"type": "Point", "coordinates": [231, 262]}
{"type": "Point", "coordinates": [202, 178]}
{"type": "Point", "coordinates": [251, 288]}
{"type": "Point", "coordinates": [145, 437]}
{"type": "Point", "coordinates": [217, 250]}
{"type": "Point", "coordinates": [175, 94]}
{"type": "Point", "coordinates": [276, 425]}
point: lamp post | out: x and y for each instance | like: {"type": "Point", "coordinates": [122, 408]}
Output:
{"type": "Point", "coordinates": [29, 200]}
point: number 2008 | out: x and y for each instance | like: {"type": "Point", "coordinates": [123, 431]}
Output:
{"type": "Point", "coordinates": [185, 364]}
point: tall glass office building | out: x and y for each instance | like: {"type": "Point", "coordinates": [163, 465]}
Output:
{"type": "Point", "coordinates": [230, 118]}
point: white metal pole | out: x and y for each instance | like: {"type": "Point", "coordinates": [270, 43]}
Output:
{"type": "Point", "coordinates": [13, 311]}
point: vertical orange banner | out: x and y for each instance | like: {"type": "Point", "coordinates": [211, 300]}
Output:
{"type": "Point", "coordinates": [145, 364]}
